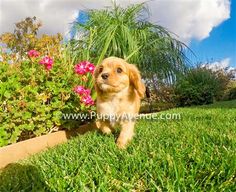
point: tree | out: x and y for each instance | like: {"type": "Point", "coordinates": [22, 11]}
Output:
{"type": "Point", "coordinates": [127, 33]}
{"type": "Point", "coordinates": [24, 36]}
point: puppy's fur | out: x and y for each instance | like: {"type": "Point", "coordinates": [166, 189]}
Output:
{"type": "Point", "coordinates": [119, 91]}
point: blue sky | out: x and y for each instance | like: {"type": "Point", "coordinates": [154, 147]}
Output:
{"type": "Point", "coordinates": [208, 27]}
{"type": "Point", "coordinates": [220, 44]}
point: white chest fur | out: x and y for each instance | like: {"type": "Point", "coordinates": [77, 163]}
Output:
{"type": "Point", "coordinates": [113, 106]}
{"type": "Point", "coordinates": [108, 107]}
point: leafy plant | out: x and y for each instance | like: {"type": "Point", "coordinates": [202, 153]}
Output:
{"type": "Point", "coordinates": [35, 94]}
{"type": "Point", "coordinates": [230, 92]}
{"type": "Point", "coordinates": [126, 33]}
{"type": "Point", "coordinates": [49, 44]}
{"type": "Point", "coordinates": [200, 86]}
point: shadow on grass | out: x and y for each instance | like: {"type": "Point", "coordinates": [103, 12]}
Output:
{"type": "Point", "coordinates": [89, 127]}
{"type": "Point", "coordinates": [22, 177]}
{"type": "Point", "coordinates": [83, 129]}
{"type": "Point", "coordinates": [18, 177]}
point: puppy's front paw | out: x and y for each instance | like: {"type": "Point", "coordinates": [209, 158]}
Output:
{"type": "Point", "coordinates": [106, 130]}
{"type": "Point", "coordinates": [121, 144]}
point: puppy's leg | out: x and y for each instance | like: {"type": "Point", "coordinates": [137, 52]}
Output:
{"type": "Point", "coordinates": [126, 134]}
{"type": "Point", "coordinates": [104, 126]}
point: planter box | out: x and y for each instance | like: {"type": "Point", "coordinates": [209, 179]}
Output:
{"type": "Point", "coordinates": [23, 149]}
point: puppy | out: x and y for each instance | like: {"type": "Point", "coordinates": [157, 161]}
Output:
{"type": "Point", "coordinates": [119, 91]}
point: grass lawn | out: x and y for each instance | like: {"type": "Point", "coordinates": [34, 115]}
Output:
{"type": "Point", "coordinates": [195, 153]}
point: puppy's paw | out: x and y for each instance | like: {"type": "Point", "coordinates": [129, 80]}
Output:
{"type": "Point", "coordinates": [106, 130]}
{"type": "Point", "coordinates": [121, 144]}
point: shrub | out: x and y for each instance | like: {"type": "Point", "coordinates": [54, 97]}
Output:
{"type": "Point", "coordinates": [160, 98]}
{"type": "Point", "coordinates": [35, 93]}
{"type": "Point", "coordinates": [200, 86]}
{"type": "Point", "coordinates": [49, 44]}
{"type": "Point", "coordinates": [230, 92]}
{"type": "Point", "coordinates": [39, 83]}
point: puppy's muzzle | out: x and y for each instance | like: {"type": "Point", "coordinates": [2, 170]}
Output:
{"type": "Point", "coordinates": [105, 76]}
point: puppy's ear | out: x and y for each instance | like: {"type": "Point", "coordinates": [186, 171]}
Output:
{"type": "Point", "coordinates": [95, 76]}
{"type": "Point", "coordinates": [96, 71]}
{"type": "Point", "coordinates": [135, 80]}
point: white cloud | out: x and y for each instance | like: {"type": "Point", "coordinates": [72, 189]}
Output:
{"type": "Point", "coordinates": [223, 64]}
{"type": "Point", "coordinates": [217, 65]}
{"type": "Point", "coordinates": [189, 19]}
{"type": "Point", "coordinates": [56, 15]}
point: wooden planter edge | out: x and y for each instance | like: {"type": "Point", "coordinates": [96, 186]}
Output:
{"type": "Point", "coordinates": [21, 150]}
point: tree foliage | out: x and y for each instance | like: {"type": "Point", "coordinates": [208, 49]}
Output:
{"type": "Point", "coordinates": [127, 33]}
{"type": "Point", "coordinates": [25, 37]}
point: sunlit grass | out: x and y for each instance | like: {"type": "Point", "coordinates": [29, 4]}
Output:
{"type": "Point", "coordinates": [195, 153]}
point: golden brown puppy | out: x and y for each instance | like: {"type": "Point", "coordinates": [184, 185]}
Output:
{"type": "Point", "coordinates": [119, 91]}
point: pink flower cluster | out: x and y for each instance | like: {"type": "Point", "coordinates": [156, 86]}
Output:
{"type": "Point", "coordinates": [33, 53]}
{"type": "Point", "coordinates": [81, 68]}
{"type": "Point", "coordinates": [47, 62]}
{"type": "Point", "coordinates": [84, 94]}
{"type": "Point", "coordinates": [84, 67]}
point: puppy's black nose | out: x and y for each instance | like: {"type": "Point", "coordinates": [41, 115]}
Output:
{"type": "Point", "coordinates": [105, 75]}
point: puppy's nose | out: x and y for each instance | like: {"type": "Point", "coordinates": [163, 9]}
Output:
{"type": "Point", "coordinates": [105, 75]}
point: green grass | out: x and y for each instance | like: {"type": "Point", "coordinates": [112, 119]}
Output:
{"type": "Point", "coordinates": [196, 153]}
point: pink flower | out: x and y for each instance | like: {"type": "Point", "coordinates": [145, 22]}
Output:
{"type": "Point", "coordinates": [87, 100]}
{"type": "Point", "coordinates": [85, 96]}
{"type": "Point", "coordinates": [81, 68]}
{"type": "Point", "coordinates": [90, 67]}
{"type": "Point", "coordinates": [84, 67]}
{"type": "Point", "coordinates": [80, 90]}
{"type": "Point", "coordinates": [48, 67]}
{"type": "Point", "coordinates": [33, 53]}
{"type": "Point", "coordinates": [87, 92]}
{"type": "Point", "coordinates": [47, 62]}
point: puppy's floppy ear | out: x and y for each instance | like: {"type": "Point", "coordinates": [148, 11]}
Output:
{"type": "Point", "coordinates": [95, 76]}
{"type": "Point", "coordinates": [135, 80]}
{"type": "Point", "coordinates": [96, 71]}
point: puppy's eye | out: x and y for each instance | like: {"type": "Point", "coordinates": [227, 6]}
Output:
{"type": "Point", "coordinates": [119, 70]}
{"type": "Point", "coordinates": [100, 69]}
